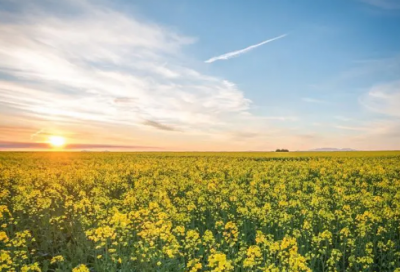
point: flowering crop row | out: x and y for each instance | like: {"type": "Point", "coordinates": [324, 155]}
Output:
{"type": "Point", "coordinates": [200, 212]}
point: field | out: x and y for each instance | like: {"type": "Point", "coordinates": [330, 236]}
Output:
{"type": "Point", "coordinates": [200, 211]}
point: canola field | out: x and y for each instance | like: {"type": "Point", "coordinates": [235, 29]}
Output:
{"type": "Point", "coordinates": [192, 212]}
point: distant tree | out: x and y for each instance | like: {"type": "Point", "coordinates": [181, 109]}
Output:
{"type": "Point", "coordinates": [282, 150]}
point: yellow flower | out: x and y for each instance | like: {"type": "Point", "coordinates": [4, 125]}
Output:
{"type": "Point", "coordinates": [231, 233]}
{"type": "Point", "coordinates": [57, 259]}
{"type": "Point", "coordinates": [81, 268]}
{"type": "Point", "coordinates": [219, 263]}
{"type": "Point", "coordinates": [254, 255]}
{"type": "Point", "coordinates": [3, 237]}
{"type": "Point", "coordinates": [31, 268]}
{"type": "Point", "coordinates": [194, 265]}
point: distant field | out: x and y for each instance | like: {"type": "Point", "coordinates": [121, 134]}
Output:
{"type": "Point", "coordinates": [190, 211]}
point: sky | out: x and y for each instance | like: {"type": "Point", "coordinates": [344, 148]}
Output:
{"type": "Point", "coordinates": [207, 75]}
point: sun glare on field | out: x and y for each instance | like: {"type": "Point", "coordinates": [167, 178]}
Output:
{"type": "Point", "coordinates": [57, 141]}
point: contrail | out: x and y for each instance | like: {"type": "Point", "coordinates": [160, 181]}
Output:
{"type": "Point", "coordinates": [242, 51]}
{"type": "Point", "coordinates": [37, 133]}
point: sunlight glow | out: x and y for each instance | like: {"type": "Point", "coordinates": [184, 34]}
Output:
{"type": "Point", "coordinates": [57, 141]}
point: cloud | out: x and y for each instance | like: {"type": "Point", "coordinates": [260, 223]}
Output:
{"type": "Point", "coordinates": [244, 135]}
{"type": "Point", "coordinates": [313, 100]}
{"type": "Point", "coordinates": [247, 117]}
{"type": "Point", "coordinates": [124, 100]}
{"type": "Point", "coordinates": [22, 145]}
{"type": "Point", "coordinates": [378, 134]}
{"type": "Point", "coordinates": [77, 69]}
{"type": "Point", "coordinates": [281, 118]}
{"type": "Point", "coordinates": [384, 4]}
{"type": "Point", "coordinates": [362, 70]}
{"type": "Point", "coordinates": [159, 125]}
{"type": "Point", "coordinates": [242, 51]}
{"type": "Point", "coordinates": [108, 146]}
{"type": "Point", "coordinates": [30, 145]}
{"type": "Point", "coordinates": [383, 98]}
{"type": "Point", "coordinates": [40, 131]}
{"type": "Point", "coordinates": [343, 118]}
{"type": "Point", "coordinates": [357, 128]}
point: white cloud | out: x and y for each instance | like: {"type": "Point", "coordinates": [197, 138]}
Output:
{"type": "Point", "coordinates": [354, 128]}
{"type": "Point", "coordinates": [343, 118]}
{"type": "Point", "coordinates": [37, 133]}
{"type": "Point", "coordinates": [242, 51]}
{"type": "Point", "coordinates": [384, 4]}
{"type": "Point", "coordinates": [384, 99]}
{"type": "Point", "coordinates": [106, 67]}
{"type": "Point", "coordinates": [313, 100]}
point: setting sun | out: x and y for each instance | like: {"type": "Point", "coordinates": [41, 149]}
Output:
{"type": "Point", "coordinates": [57, 141]}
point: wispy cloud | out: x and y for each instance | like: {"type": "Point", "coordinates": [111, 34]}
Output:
{"type": "Point", "coordinates": [281, 118]}
{"type": "Point", "coordinates": [159, 125]}
{"type": "Point", "coordinates": [313, 100]}
{"type": "Point", "coordinates": [343, 118]}
{"type": "Point", "coordinates": [66, 69]}
{"type": "Point", "coordinates": [37, 133]}
{"type": "Point", "coordinates": [384, 4]}
{"type": "Point", "coordinates": [33, 145]}
{"type": "Point", "coordinates": [353, 128]}
{"type": "Point", "coordinates": [383, 98]}
{"type": "Point", "coordinates": [364, 70]}
{"type": "Point", "coordinates": [78, 69]}
{"type": "Point", "coordinates": [242, 51]}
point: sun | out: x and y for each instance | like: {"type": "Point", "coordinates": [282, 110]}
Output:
{"type": "Point", "coordinates": [57, 141]}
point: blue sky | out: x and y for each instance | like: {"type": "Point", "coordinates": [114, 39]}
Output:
{"type": "Point", "coordinates": [133, 73]}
